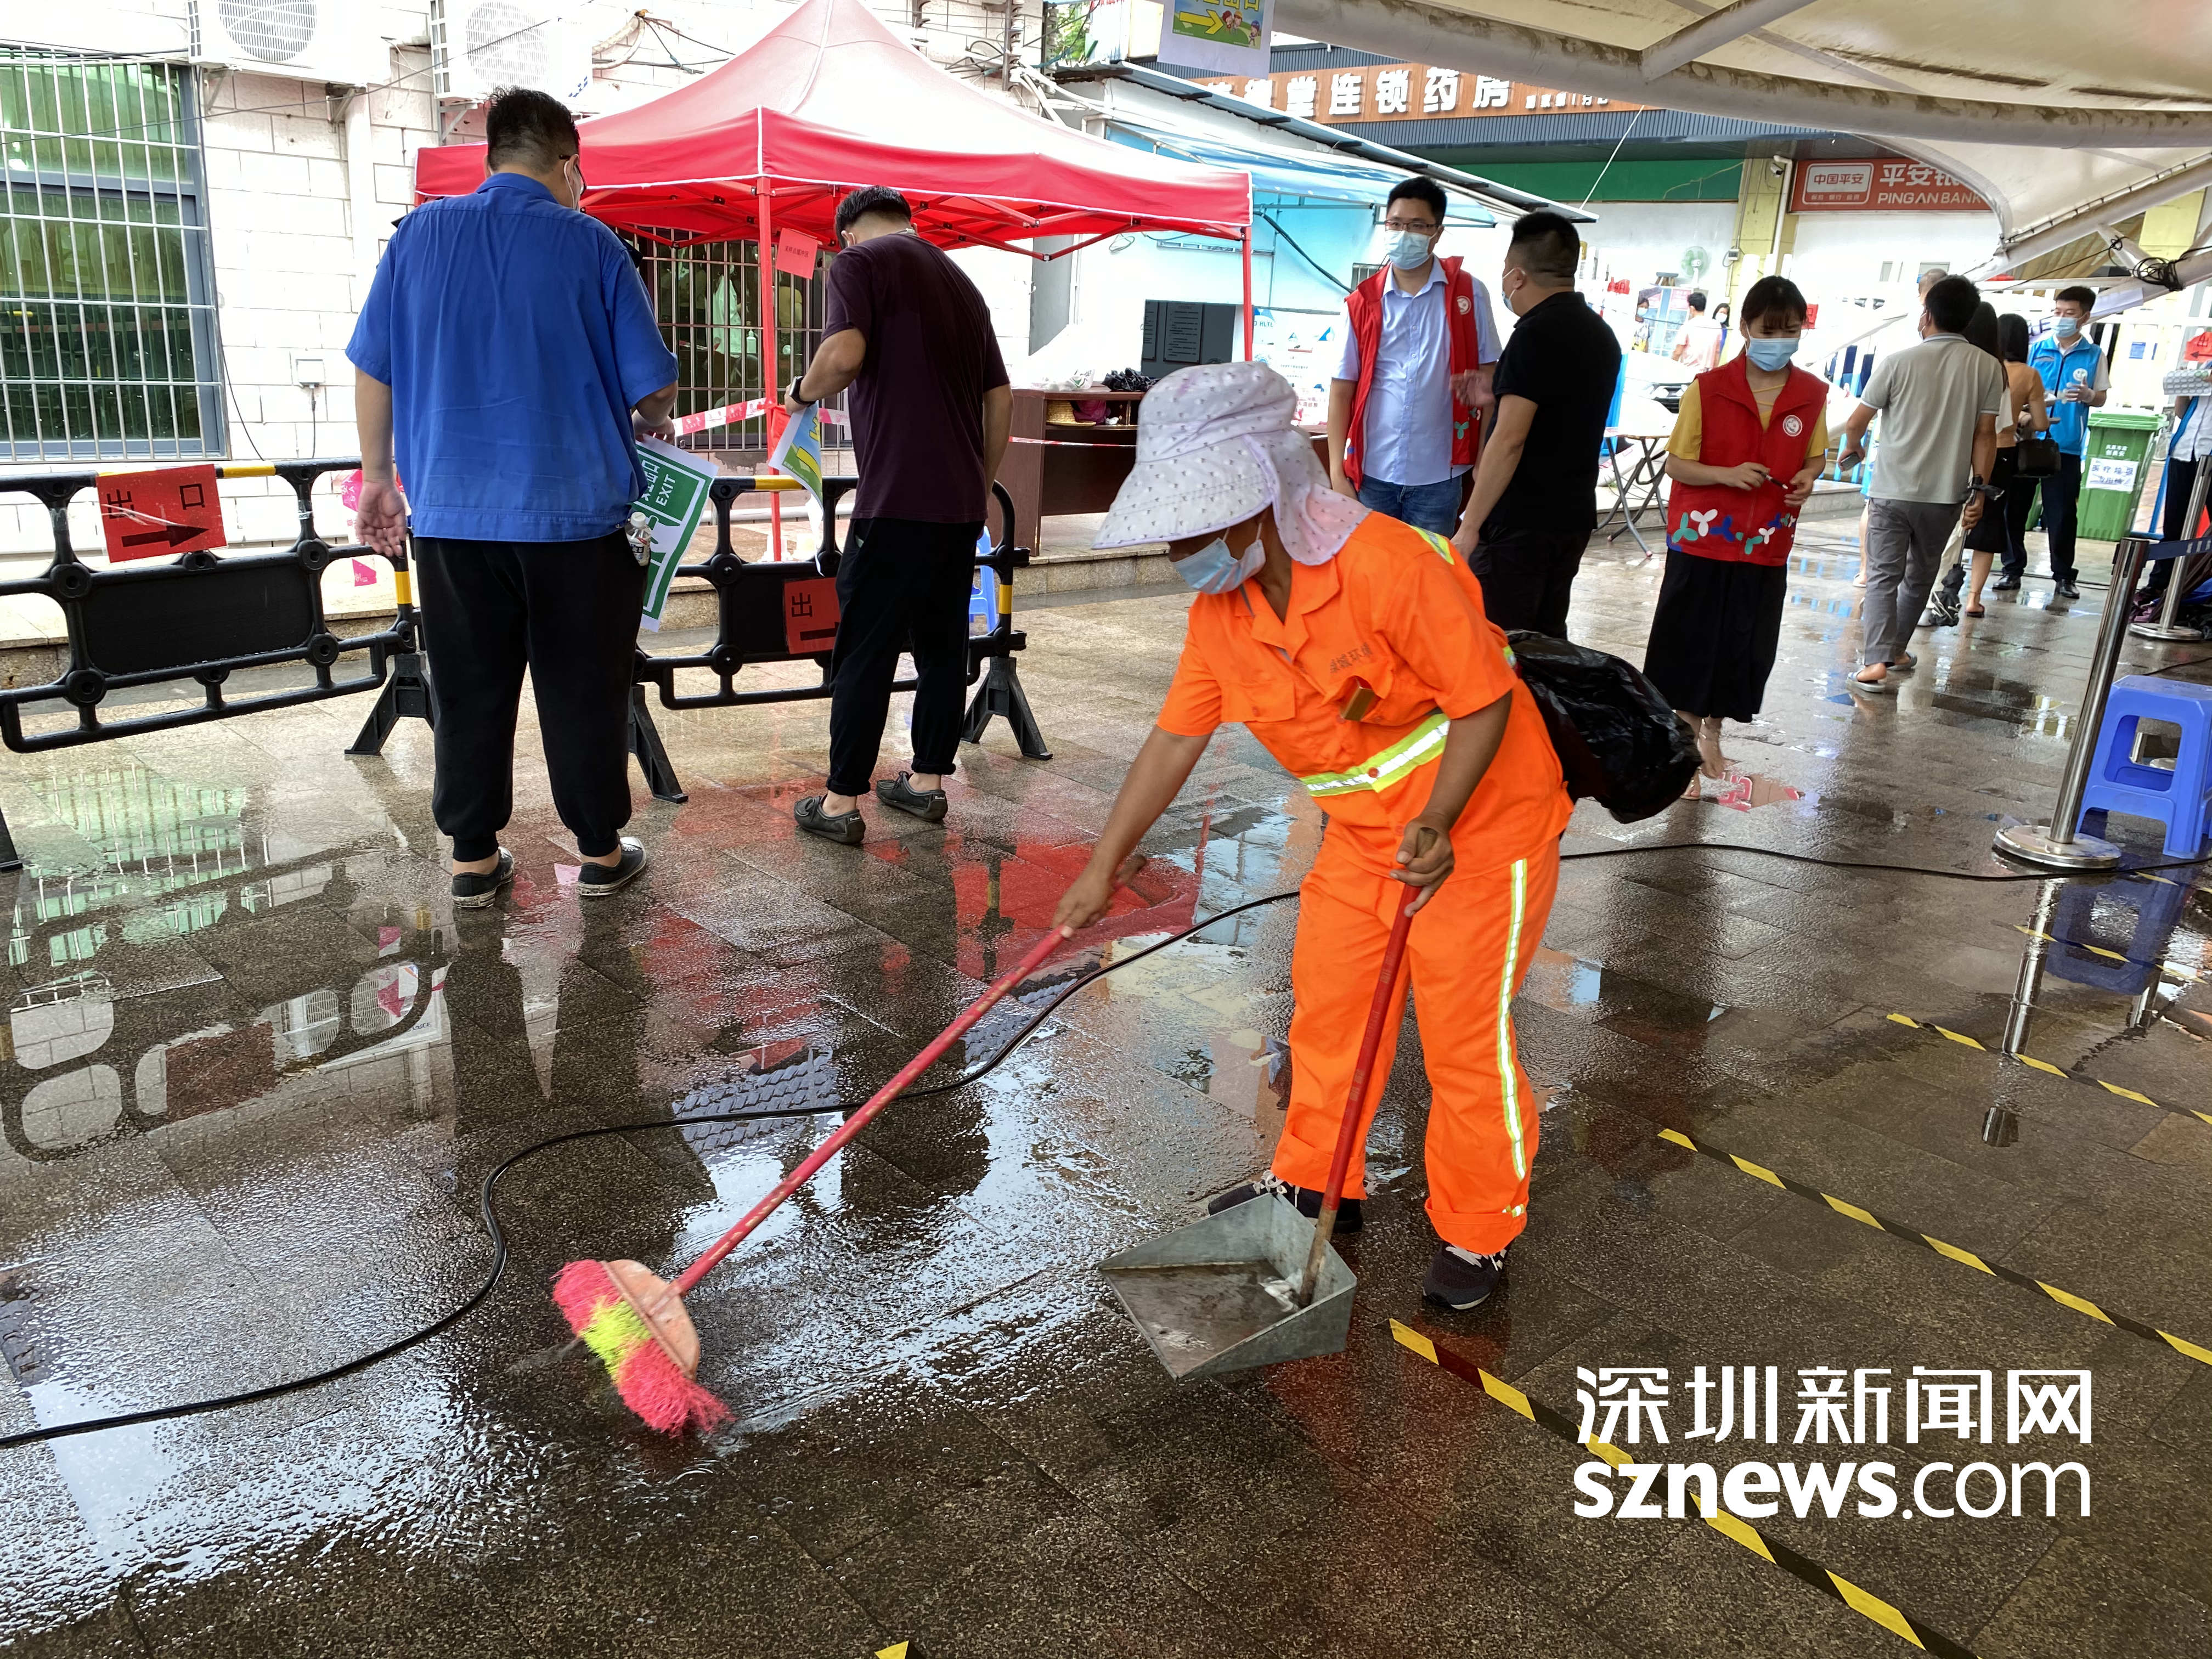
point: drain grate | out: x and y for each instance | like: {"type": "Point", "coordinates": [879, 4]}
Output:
{"type": "Point", "coordinates": [20, 1347]}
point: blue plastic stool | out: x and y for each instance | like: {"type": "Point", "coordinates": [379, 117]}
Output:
{"type": "Point", "coordinates": [2119, 783]}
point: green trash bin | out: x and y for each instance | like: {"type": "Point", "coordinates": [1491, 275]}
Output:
{"type": "Point", "coordinates": [2112, 471]}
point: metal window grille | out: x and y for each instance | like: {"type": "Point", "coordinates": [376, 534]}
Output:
{"type": "Point", "coordinates": [107, 336]}
{"type": "Point", "coordinates": [706, 296]}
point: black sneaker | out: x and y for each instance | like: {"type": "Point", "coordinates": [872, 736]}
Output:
{"type": "Point", "coordinates": [1350, 1214]}
{"type": "Point", "coordinates": [844, 828]}
{"type": "Point", "coordinates": [475, 892]}
{"type": "Point", "coordinates": [598, 880]}
{"type": "Point", "coordinates": [1460, 1279]}
{"type": "Point", "coordinates": [2004, 584]}
{"type": "Point", "coordinates": [2065, 590]}
{"type": "Point", "coordinates": [927, 804]}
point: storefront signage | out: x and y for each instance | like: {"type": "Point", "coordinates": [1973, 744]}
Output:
{"type": "Point", "coordinates": [1880, 186]}
{"type": "Point", "coordinates": [1405, 91]}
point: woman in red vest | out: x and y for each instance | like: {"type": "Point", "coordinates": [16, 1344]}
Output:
{"type": "Point", "coordinates": [1749, 439]}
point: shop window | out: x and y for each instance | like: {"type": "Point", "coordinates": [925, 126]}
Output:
{"type": "Point", "coordinates": [108, 335]}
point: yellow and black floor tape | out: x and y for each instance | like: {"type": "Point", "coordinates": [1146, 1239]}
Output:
{"type": "Point", "coordinates": [2081, 1305]}
{"type": "Point", "coordinates": [1835, 1586]}
{"type": "Point", "coordinates": [2044, 1065]}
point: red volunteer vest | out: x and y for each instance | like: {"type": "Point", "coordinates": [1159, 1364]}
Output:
{"type": "Point", "coordinates": [1747, 527]}
{"type": "Point", "coordinates": [1365, 305]}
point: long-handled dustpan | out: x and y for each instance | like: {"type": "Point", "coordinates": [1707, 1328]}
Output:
{"type": "Point", "coordinates": [1257, 1285]}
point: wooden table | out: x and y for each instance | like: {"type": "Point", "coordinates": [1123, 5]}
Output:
{"type": "Point", "coordinates": [1051, 470]}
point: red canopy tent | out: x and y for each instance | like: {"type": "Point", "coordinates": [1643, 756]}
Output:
{"type": "Point", "coordinates": [830, 100]}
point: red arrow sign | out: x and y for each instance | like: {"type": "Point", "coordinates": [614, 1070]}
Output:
{"type": "Point", "coordinates": [171, 509]}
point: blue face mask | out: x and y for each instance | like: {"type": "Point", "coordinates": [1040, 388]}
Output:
{"type": "Point", "coordinates": [1408, 249]}
{"type": "Point", "coordinates": [1215, 570]}
{"type": "Point", "coordinates": [2066, 327]}
{"type": "Point", "coordinates": [1771, 354]}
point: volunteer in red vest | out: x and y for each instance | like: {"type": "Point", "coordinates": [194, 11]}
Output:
{"type": "Point", "coordinates": [1749, 439]}
{"type": "Point", "coordinates": [1354, 648]}
{"type": "Point", "coordinates": [1413, 380]}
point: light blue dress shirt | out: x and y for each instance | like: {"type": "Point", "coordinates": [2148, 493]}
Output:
{"type": "Point", "coordinates": [1408, 436]}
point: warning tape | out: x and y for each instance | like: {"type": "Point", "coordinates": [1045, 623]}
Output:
{"type": "Point", "coordinates": [1897, 1229]}
{"type": "Point", "coordinates": [2044, 1065]}
{"type": "Point", "coordinates": [709, 420]}
{"type": "Point", "coordinates": [1834, 1585]}
{"type": "Point", "coordinates": [2166, 969]}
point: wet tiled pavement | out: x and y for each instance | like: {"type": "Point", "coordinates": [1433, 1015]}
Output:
{"type": "Point", "coordinates": [257, 1069]}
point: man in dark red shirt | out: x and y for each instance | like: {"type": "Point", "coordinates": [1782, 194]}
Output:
{"type": "Point", "coordinates": [911, 334]}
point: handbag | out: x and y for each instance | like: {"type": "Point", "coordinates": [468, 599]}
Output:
{"type": "Point", "coordinates": [2035, 456]}
{"type": "Point", "coordinates": [1618, 742]}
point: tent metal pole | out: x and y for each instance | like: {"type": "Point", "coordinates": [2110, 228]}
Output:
{"type": "Point", "coordinates": [1249, 295]}
{"type": "Point", "coordinates": [771, 359]}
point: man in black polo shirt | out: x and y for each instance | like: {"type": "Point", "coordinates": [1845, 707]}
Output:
{"type": "Point", "coordinates": [911, 334]}
{"type": "Point", "coordinates": [1535, 501]}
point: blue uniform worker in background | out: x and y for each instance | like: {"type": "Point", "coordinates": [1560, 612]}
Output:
{"type": "Point", "coordinates": [2072, 371]}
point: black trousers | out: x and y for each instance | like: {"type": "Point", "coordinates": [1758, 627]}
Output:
{"type": "Point", "coordinates": [568, 611]}
{"type": "Point", "coordinates": [902, 585]}
{"type": "Point", "coordinates": [1526, 577]}
{"type": "Point", "coordinates": [2173, 516]}
{"type": "Point", "coordinates": [2062, 494]}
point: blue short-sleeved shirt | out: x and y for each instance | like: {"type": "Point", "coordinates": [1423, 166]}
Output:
{"type": "Point", "coordinates": [515, 337]}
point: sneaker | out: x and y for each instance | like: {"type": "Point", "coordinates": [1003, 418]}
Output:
{"type": "Point", "coordinates": [1460, 1279]}
{"type": "Point", "coordinates": [475, 892]}
{"type": "Point", "coordinates": [927, 804]}
{"type": "Point", "coordinates": [2065, 590]}
{"type": "Point", "coordinates": [1350, 1215]}
{"type": "Point", "coordinates": [2005, 584]}
{"type": "Point", "coordinates": [845, 828]}
{"type": "Point", "coordinates": [598, 880]}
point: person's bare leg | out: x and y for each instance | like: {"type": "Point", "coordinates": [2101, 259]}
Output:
{"type": "Point", "coordinates": [1977, 573]}
{"type": "Point", "coordinates": [1712, 731]}
{"type": "Point", "coordinates": [475, 866]}
{"type": "Point", "coordinates": [923, 783]}
{"type": "Point", "coordinates": [1709, 749]}
{"type": "Point", "coordinates": [834, 805]}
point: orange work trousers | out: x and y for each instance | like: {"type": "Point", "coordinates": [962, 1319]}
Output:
{"type": "Point", "coordinates": [1467, 954]}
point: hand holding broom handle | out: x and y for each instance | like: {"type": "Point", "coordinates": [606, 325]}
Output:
{"type": "Point", "coordinates": [913, 1068]}
{"type": "Point", "coordinates": [1370, 1044]}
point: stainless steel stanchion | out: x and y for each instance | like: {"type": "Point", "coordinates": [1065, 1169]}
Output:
{"type": "Point", "coordinates": [2164, 627]}
{"type": "Point", "coordinates": [2054, 846]}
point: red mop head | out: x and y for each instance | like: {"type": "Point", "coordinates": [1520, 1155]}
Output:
{"type": "Point", "coordinates": [638, 1327]}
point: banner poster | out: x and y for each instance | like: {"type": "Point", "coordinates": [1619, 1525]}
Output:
{"type": "Point", "coordinates": [676, 486]}
{"type": "Point", "coordinates": [1226, 36]}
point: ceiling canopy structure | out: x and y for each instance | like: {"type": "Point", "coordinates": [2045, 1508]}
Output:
{"type": "Point", "coordinates": [830, 100]}
{"type": "Point", "coordinates": [2064, 119]}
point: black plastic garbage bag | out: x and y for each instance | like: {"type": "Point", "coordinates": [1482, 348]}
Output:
{"type": "Point", "coordinates": [1618, 741]}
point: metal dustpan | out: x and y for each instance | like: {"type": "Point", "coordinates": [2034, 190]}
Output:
{"type": "Point", "coordinates": [1222, 1294]}
{"type": "Point", "coordinates": [1259, 1283]}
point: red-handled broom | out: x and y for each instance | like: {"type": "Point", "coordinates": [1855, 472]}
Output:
{"type": "Point", "coordinates": [634, 1321]}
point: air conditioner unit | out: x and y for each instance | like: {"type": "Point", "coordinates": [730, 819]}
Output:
{"type": "Point", "coordinates": [324, 40]}
{"type": "Point", "coordinates": [479, 45]}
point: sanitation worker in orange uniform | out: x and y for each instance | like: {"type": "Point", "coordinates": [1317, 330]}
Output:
{"type": "Point", "coordinates": [1355, 648]}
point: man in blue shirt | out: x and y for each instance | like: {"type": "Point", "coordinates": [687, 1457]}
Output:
{"type": "Point", "coordinates": [2073, 374]}
{"type": "Point", "coordinates": [509, 348]}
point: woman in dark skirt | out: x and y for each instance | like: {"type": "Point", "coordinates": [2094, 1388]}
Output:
{"type": "Point", "coordinates": [1749, 439]}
